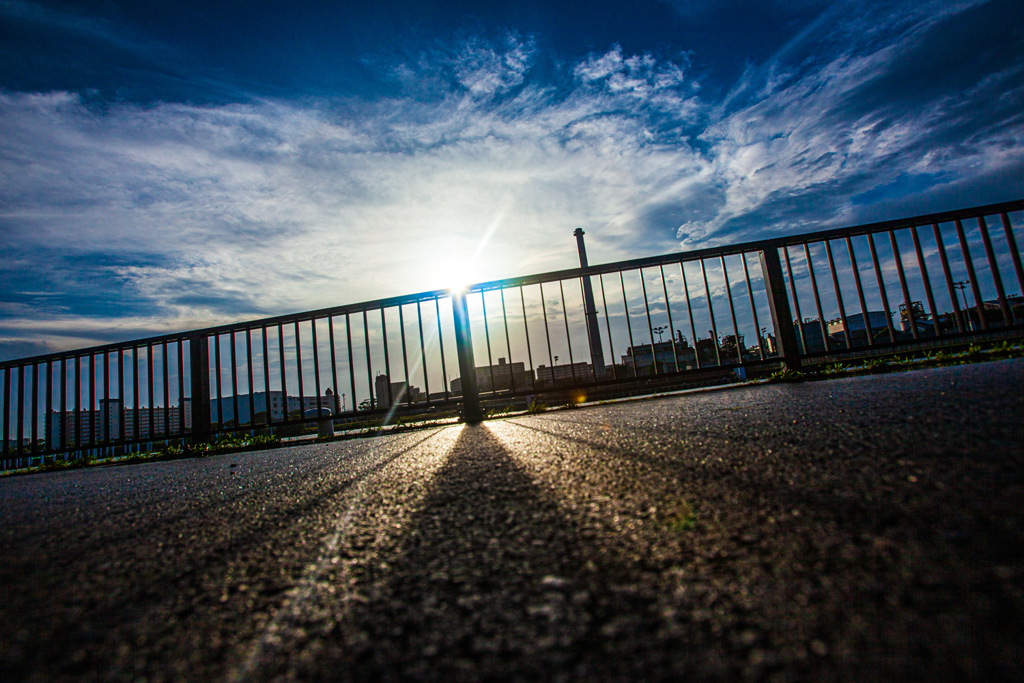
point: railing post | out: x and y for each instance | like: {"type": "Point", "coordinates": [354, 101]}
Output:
{"type": "Point", "coordinates": [778, 304]}
{"type": "Point", "coordinates": [200, 370]}
{"type": "Point", "coordinates": [471, 412]}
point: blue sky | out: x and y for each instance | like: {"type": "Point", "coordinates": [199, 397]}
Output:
{"type": "Point", "coordinates": [167, 166]}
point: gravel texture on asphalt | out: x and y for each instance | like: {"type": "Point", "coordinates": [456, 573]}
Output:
{"type": "Point", "coordinates": [860, 529]}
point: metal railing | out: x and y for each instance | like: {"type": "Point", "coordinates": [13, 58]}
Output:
{"type": "Point", "coordinates": [577, 330]}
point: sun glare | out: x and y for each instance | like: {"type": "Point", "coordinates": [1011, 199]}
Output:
{"type": "Point", "coordinates": [454, 276]}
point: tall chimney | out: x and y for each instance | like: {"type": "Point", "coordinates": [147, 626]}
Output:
{"type": "Point", "coordinates": [593, 331]}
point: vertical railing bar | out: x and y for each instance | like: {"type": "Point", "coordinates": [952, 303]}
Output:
{"type": "Point", "coordinates": [487, 337]}
{"type": "Point", "coordinates": [79, 441]}
{"type": "Point", "coordinates": [7, 414]}
{"type": "Point", "coordinates": [48, 408]}
{"type": "Point", "coordinates": [547, 332]}
{"type": "Point", "coordinates": [370, 376]}
{"type": "Point", "coordinates": [120, 396]}
{"type": "Point", "coordinates": [216, 377]}
{"type": "Point", "coordinates": [881, 287]}
{"type": "Point", "coordinates": [62, 439]}
{"type": "Point", "coordinates": [753, 306]}
{"type": "Point", "coordinates": [249, 381]}
{"type": "Point", "coordinates": [993, 265]}
{"type": "Point", "coordinates": [796, 301]}
{"type": "Point", "coordinates": [950, 290]}
{"type": "Point", "coordinates": [508, 342]}
{"type": "Point", "coordinates": [866, 319]}
{"type": "Point", "coordinates": [336, 408]}
{"type": "Point", "coordinates": [668, 311]}
{"type": "Point", "coordinates": [284, 375]}
{"type": "Point", "coordinates": [405, 361]}
{"type": "Point", "coordinates": [1011, 242]}
{"type": "Point", "coordinates": [423, 351]}
{"type": "Point", "coordinates": [105, 411]}
{"type": "Point", "coordinates": [650, 325]}
{"type": "Point", "coordinates": [568, 339]}
{"type": "Point", "coordinates": [711, 312]}
{"type": "Point", "coordinates": [266, 376]}
{"type": "Point", "coordinates": [629, 325]}
{"type": "Point", "coordinates": [369, 369]}
{"type": "Point", "coordinates": [166, 383]}
{"type": "Point", "coordinates": [839, 293]}
{"type": "Point", "coordinates": [316, 364]}
{"type": "Point", "coordinates": [440, 343]}
{"type": "Point", "coordinates": [93, 431]}
{"type": "Point", "coordinates": [586, 318]}
{"type": "Point", "coordinates": [351, 363]}
{"type": "Point", "coordinates": [387, 358]}
{"type": "Point", "coordinates": [181, 387]}
{"type": "Point", "coordinates": [153, 400]}
{"type": "Point", "coordinates": [919, 253]}
{"type": "Point", "coordinates": [298, 369]}
{"type": "Point", "coordinates": [35, 408]}
{"type": "Point", "coordinates": [689, 312]}
{"type": "Point", "coordinates": [817, 298]}
{"type": "Point", "coordinates": [903, 284]}
{"type": "Point", "coordinates": [21, 411]}
{"type": "Point", "coordinates": [979, 305]}
{"type": "Point", "coordinates": [526, 331]}
{"type": "Point", "coordinates": [136, 408]}
{"type": "Point", "coordinates": [732, 311]}
{"type": "Point", "coordinates": [608, 325]}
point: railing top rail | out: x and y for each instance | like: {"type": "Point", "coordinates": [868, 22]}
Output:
{"type": "Point", "coordinates": [757, 245]}
{"type": "Point", "coordinates": [631, 264]}
{"type": "Point", "coordinates": [232, 327]}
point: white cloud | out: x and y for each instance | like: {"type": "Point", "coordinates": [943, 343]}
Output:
{"type": "Point", "coordinates": [213, 213]}
{"type": "Point", "coordinates": [273, 207]}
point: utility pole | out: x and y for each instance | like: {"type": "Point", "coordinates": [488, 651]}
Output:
{"type": "Point", "coordinates": [593, 331]}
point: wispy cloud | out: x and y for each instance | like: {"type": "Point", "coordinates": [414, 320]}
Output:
{"type": "Point", "coordinates": [170, 216]}
{"type": "Point", "coordinates": [880, 126]}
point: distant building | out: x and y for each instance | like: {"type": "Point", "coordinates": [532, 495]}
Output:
{"type": "Point", "coordinates": [812, 333]}
{"type": "Point", "coordinates": [104, 424]}
{"type": "Point", "coordinates": [278, 403]}
{"type": "Point", "coordinates": [501, 377]}
{"type": "Point", "coordinates": [565, 374]}
{"type": "Point", "coordinates": [877, 319]}
{"type": "Point", "coordinates": [643, 356]}
{"type": "Point", "coordinates": [400, 392]}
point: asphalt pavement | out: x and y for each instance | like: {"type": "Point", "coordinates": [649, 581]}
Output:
{"type": "Point", "coordinates": [861, 529]}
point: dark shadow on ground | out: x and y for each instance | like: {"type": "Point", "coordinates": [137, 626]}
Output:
{"type": "Point", "coordinates": [494, 582]}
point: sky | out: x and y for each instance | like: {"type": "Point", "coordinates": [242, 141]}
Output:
{"type": "Point", "coordinates": [170, 166]}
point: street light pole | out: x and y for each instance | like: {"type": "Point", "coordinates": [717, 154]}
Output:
{"type": "Point", "coordinates": [961, 286]}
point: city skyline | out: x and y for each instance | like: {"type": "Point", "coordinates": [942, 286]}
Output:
{"type": "Point", "coordinates": [163, 174]}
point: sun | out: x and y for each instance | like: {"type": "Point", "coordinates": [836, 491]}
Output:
{"type": "Point", "coordinates": [454, 276]}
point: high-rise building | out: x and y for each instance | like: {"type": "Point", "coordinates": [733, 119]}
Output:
{"type": "Point", "coordinates": [400, 392]}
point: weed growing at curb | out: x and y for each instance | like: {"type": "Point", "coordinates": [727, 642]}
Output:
{"type": "Point", "coordinates": [536, 407]}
